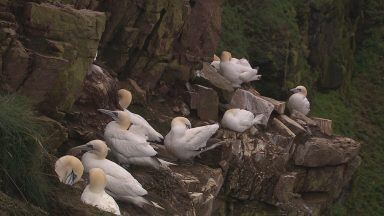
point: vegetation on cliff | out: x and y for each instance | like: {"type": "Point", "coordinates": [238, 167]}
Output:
{"type": "Point", "coordinates": [21, 152]}
{"type": "Point", "coordinates": [336, 49]}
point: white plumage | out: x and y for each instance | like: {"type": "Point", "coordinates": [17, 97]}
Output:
{"type": "Point", "coordinates": [185, 142]}
{"type": "Point", "coordinates": [100, 200]}
{"type": "Point", "coordinates": [120, 183]}
{"type": "Point", "coordinates": [298, 101]}
{"type": "Point", "coordinates": [240, 120]}
{"type": "Point", "coordinates": [95, 195]}
{"type": "Point", "coordinates": [237, 71]}
{"type": "Point", "coordinates": [216, 65]}
{"type": "Point", "coordinates": [129, 147]}
{"type": "Point", "coordinates": [144, 128]}
{"type": "Point", "coordinates": [125, 99]}
{"type": "Point", "coordinates": [69, 169]}
{"type": "Point", "coordinates": [243, 62]}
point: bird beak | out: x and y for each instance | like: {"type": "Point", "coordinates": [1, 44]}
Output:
{"type": "Point", "coordinates": [113, 114]}
{"type": "Point", "coordinates": [294, 90]}
{"type": "Point", "coordinates": [85, 147]}
{"type": "Point", "coordinates": [70, 180]}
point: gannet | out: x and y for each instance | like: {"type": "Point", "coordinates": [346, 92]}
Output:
{"type": "Point", "coordinates": [69, 169]}
{"type": "Point", "coordinates": [185, 142]}
{"type": "Point", "coordinates": [298, 101]}
{"type": "Point", "coordinates": [216, 62]}
{"type": "Point", "coordinates": [95, 195]}
{"type": "Point", "coordinates": [128, 147]}
{"type": "Point", "coordinates": [237, 73]}
{"type": "Point", "coordinates": [240, 120]}
{"type": "Point", "coordinates": [120, 183]}
{"type": "Point", "coordinates": [125, 99]}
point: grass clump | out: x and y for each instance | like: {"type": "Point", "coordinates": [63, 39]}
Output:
{"type": "Point", "coordinates": [20, 151]}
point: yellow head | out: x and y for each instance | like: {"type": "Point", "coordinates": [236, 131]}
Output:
{"type": "Point", "coordinates": [125, 98]}
{"type": "Point", "coordinates": [216, 58]}
{"type": "Point", "coordinates": [69, 169]}
{"type": "Point", "coordinates": [97, 147]}
{"type": "Point", "coordinates": [97, 180]}
{"type": "Point", "coordinates": [225, 56]}
{"type": "Point", "coordinates": [121, 117]}
{"type": "Point", "coordinates": [181, 121]}
{"type": "Point", "coordinates": [300, 89]}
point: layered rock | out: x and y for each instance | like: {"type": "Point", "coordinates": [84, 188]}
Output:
{"type": "Point", "coordinates": [318, 152]}
{"type": "Point", "coordinates": [48, 60]}
{"type": "Point", "coordinates": [290, 164]}
{"type": "Point", "coordinates": [145, 39]}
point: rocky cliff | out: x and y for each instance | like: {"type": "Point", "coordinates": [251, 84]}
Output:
{"type": "Point", "coordinates": [158, 50]}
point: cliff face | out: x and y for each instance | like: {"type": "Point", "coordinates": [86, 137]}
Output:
{"type": "Point", "coordinates": [307, 42]}
{"type": "Point", "coordinates": [291, 165]}
{"type": "Point", "coordinates": [336, 47]}
{"type": "Point", "coordinates": [48, 47]}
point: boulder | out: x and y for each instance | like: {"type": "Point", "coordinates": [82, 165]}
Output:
{"type": "Point", "coordinates": [317, 152]}
{"type": "Point", "coordinates": [210, 77]}
{"type": "Point", "coordinates": [203, 184]}
{"type": "Point", "coordinates": [282, 128]}
{"type": "Point", "coordinates": [15, 66]}
{"type": "Point", "coordinates": [246, 100]}
{"type": "Point", "coordinates": [63, 42]}
{"type": "Point", "coordinates": [329, 179]}
{"type": "Point", "coordinates": [254, 165]}
{"type": "Point", "coordinates": [99, 89]}
{"type": "Point", "coordinates": [55, 133]}
{"type": "Point", "coordinates": [351, 168]}
{"type": "Point", "coordinates": [325, 125]}
{"type": "Point", "coordinates": [295, 127]}
{"type": "Point", "coordinates": [284, 189]}
{"type": "Point", "coordinates": [279, 105]}
{"type": "Point", "coordinates": [206, 101]}
{"type": "Point", "coordinates": [300, 116]}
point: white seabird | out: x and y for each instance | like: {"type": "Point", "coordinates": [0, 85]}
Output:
{"type": "Point", "coordinates": [240, 120]}
{"type": "Point", "coordinates": [239, 72]}
{"type": "Point", "coordinates": [298, 101]}
{"type": "Point", "coordinates": [125, 99]}
{"type": "Point", "coordinates": [120, 183]}
{"type": "Point", "coordinates": [95, 195]}
{"type": "Point", "coordinates": [128, 147]}
{"type": "Point", "coordinates": [185, 142]}
{"type": "Point", "coordinates": [216, 62]}
{"type": "Point", "coordinates": [69, 169]}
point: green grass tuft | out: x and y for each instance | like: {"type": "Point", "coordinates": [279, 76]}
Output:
{"type": "Point", "coordinates": [20, 151]}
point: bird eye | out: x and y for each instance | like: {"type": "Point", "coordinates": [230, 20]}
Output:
{"type": "Point", "coordinates": [186, 125]}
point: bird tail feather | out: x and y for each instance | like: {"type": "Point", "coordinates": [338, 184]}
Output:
{"type": "Point", "coordinates": [141, 202]}
{"type": "Point", "coordinates": [212, 146]}
{"type": "Point", "coordinates": [249, 75]}
{"type": "Point", "coordinates": [258, 119]}
{"type": "Point", "coordinates": [166, 163]}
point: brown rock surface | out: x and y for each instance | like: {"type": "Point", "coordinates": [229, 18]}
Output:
{"type": "Point", "coordinates": [317, 152]}
{"type": "Point", "coordinates": [246, 100]}
{"type": "Point", "coordinates": [208, 76]}
{"type": "Point", "coordinates": [206, 101]}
